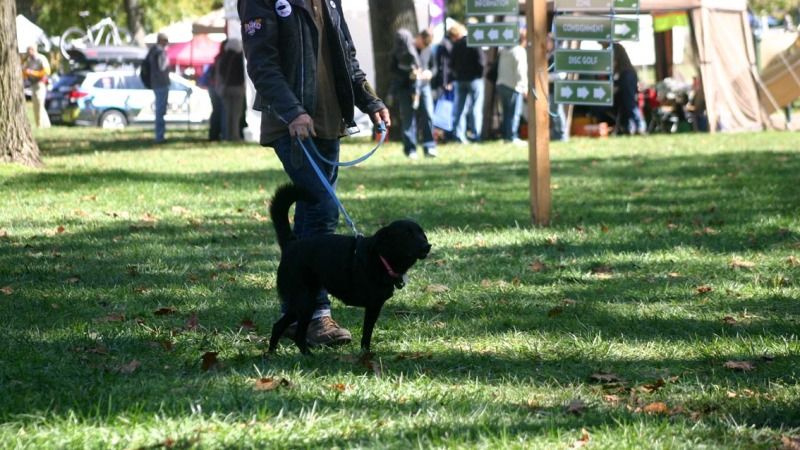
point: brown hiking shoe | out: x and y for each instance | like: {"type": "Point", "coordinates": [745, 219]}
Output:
{"type": "Point", "coordinates": [322, 331]}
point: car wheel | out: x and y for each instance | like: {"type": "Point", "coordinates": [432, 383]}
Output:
{"type": "Point", "coordinates": [113, 120]}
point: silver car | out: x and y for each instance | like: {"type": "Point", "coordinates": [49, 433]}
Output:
{"type": "Point", "coordinates": [117, 98]}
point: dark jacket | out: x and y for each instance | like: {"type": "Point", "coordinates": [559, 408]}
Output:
{"type": "Point", "coordinates": [281, 42]}
{"type": "Point", "coordinates": [467, 62]}
{"type": "Point", "coordinates": [159, 67]}
{"type": "Point", "coordinates": [444, 74]}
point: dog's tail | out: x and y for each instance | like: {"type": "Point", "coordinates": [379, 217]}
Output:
{"type": "Point", "coordinates": [283, 199]}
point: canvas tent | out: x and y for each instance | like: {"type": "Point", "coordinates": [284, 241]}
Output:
{"type": "Point", "coordinates": [726, 58]}
{"type": "Point", "coordinates": [28, 34]}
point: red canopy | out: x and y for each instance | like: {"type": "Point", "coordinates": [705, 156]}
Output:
{"type": "Point", "coordinates": [196, 53]}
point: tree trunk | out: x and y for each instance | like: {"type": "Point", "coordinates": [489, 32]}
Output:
{"type": "Point", "coordinates": [16, 140]}
{"type": "Point", "coordinates": [385, 19]}
{"type": "Point", "coordinates": [134, 11]}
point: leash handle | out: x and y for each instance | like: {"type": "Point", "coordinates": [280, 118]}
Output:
{"type": "Point", "coordinates": [324, 180]}
{"type": "Point", "coordinates": [381, 130]}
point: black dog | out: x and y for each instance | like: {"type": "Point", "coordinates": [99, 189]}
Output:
{"type": "Point", "coordinates": [359, 271]}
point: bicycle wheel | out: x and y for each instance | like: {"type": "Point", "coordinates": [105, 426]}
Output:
{"type": "Point", "coordinates": [72, 38]}
{"type": "Point", "coordinates": [116, 36]}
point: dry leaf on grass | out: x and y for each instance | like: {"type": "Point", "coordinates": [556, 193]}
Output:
{"type": "Point", "coordinates": [112, 318]}
{"type": "Point", "coordinates": [728, 320]}
{"type": "Point", "coordinates": [576, 407]}
{"type": "Point", "coordinates": [339, 387]}
{"type": "Point", "coordinates": [247, 324]}
{"type": "Point", "coordinates": [654, 408]}
{"type": "Point", "coordinates": [8, 290]}
{"type": "Point", "coordinates": [790, 442]}
{"type": "Point", "coordinates": [583, 441]}
{"type": "Point", "coordinates": [436, 288]}
{"type": "Point", "coordinates": [271, 383]}
{"type": "Point", "coordinates": [129, 368]}
{"type": "Point", "coordinates": [737, 263]}
{"type": "Point", "coordinates": [793, 261]}
{"type": "Point", "coordinates": [73, 279]}
{"type": "Point", "coordinates": [537, 266]}
{"type": "Point", "coordinates": [209, 361]}
{"type": "Point", "coordinates": [740, 366]}
{"type": "Point", "coordinates": [603, 377]}
{"type": "Point", "coordinates": [165, 311]}
{"type": "Point", "coordinates": [704, 289]}
{"type": "Point", "coordinates": [652, 387]}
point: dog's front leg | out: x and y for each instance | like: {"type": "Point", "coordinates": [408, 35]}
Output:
{"type": "Point", "coordinates": [302, 330]}
{"type": "Point", "coordinates": [370, 317]}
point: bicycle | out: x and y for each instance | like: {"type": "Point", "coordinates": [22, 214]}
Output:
{"type": "Point", "coordinates": [103, 32]}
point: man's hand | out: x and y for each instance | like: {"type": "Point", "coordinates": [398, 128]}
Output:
{"type": "Point", "coordinates": [302, 126]}
{"type": "Point", "coordinates": [381, 116]}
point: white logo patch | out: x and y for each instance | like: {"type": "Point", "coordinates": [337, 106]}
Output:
{"type": "Point", "coordinates": [333, 5]}
{"type": "Point", "coordinates": [283, 8]}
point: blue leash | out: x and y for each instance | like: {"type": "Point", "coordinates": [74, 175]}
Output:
{"type": "Point", "coordinates": [324, 179]}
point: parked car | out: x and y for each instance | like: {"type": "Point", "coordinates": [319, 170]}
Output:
{"type": "Point", "coordinates": [117, 98]}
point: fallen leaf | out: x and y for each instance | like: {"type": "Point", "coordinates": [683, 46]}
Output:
{"type": "Point", "coordinates": [440, 262]}
{"type": "Point", "coordinates": [604, 228]}
{"type": "Point", "coordinates": [741, 264]}
{"type": "Point", "coordinates": [3, 233]}
{"type": "Point", "coordinates": [165, 311]}
{"type": "Point", "coordinates": [656, 408]}
{"type": "Point", "coordinates": [583, 441]}
{"type": "Point", "coordinates": [339, 387]}
{"type": "Point", "coordinates": [271, 384]}
{"type": "Point", "coordinates": [192, 323]}
{"type": "Point", "coordinates": [603, 377]}
{"type": "Point", "coordinates": [247, 324]}
{"type": "Point", "coordinates": [552, 239]}
{"type": "Point", "coordinates": [555, 311]}
{"type": "Point", "coordinates": [130, 367]}
{"type": "Point", "coordinates": [704, 289]}
{"type": "Point", "coordinates": [89, 198]}
{"type": "Point", "coordinates": [113, 318]}
{"type": "Point", "coordinates": [790, 442]}
{"type": "Point", "coordinates": [141, 290]}
{"type": "Point", "coordinates": [149, 218]}
{"type": "Point", "coordinates": [210, 361]}
{"type": "Point", "coordinates": [741, 366]}
{"type": "Point", "coordinates": [537, 266]}
{"type": "Point", "coordinates": [674, 275]}
{"type": "Point", "coordinates": [60, 229]}
{"type": "Point", "coordinates": [569, 302]}
{"type": "Point", "coordinates": [576, 407]}
{"type": "Point", "coordinates": [486, 283]}
{"type": "Point", "coordinates": [436, 288]}
{"type": "Point", "coordinates": [73, 279]}
{"type": "Point", "coordinates": [652, 387]}
{"type": "Point", "coordinates": [728, 320]}
{"type": "Point", "coordinates": [793, 261]}
{"type": "Point", "coordinates": [731, 394]}
{"type": "Point", "coordinates": [611, 398]}
{"type": "Point", "coordinates": [8, 290]}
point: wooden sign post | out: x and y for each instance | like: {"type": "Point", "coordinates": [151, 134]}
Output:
{"type": "Point", "coordinates": [538, 112]}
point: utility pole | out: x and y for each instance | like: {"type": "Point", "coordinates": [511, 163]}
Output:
{"type": "Point", "coordinates": [538, 112]}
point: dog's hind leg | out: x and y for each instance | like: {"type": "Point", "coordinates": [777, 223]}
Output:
{"type": "Point", "coordinates": [303, 319]}
{"type": "Point", "coordinates": [278, 328]}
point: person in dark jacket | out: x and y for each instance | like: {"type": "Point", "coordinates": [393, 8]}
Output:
{"type": "Point", "coordinates": [231, 89]}
{"type": "Point", "coordinates": [210, 80]}
{"type": "Point", "coordinates": [413, 67]}
{"type": "Point", "coordinates": [159, 82]}
{"type": "Point", "coordinates": [468, 66]}
{"type": "Point", "coordinates": [302, 61]}
{"type": "Point", "coordinates": [630, 119]}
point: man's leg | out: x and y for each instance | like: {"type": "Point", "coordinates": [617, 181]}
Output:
{"type": "Point", "coordinates": [516, 114]}
{"type": "Point", "coordinates": [425, 120]}
{"type": "Point", "coordinates": [39, 94]}
{"type": "Point", "coordinates": [162, 95]}
{"type": "Point", "coordinates": [407, 121]}
{"type": "Point", "coordinates": [459, 119]}
{"type": "Point", "coordinates": [476, 92]}
{"type": "Point", "coordinates": [506, 101]}
{"type": "Point", "coordinates": [315, 219]}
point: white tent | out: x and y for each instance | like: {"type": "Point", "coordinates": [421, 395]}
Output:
{"type": "Point", "coordinates": [28, 34]}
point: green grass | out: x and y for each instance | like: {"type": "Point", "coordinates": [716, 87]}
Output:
{"type": "Point", "coordinates": [492, 362]}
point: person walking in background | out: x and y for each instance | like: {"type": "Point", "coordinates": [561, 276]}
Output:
{"type": "Point", "coordinates": [468, 66]}
{"type": "Point", "coordinates": [413, 67]}
{"type": "Point", "coordinates": [626, 97]}
{"type": "Point", "coordinates": [512, 86]}
{"type": "Point", "coordinates": [558, 118]}
{"type": "Point", "coordinates": [159, 82]}
{"type": "Point", "coordinates": [36, 69]}
{"type": "Point", "coordinates": [301, 59]}
{"type": "Point", "coordinates": [210, 81]}
{"type": "Point", "coordinates": [231, 87]}
{"type": "Point", "coordinates": [442, 81]}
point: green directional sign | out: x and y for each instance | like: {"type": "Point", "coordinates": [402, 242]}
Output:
{"type": "Point", "coordinates": [584, 61]}
{"type": "Point", "coordinates": [492, 34]}
{"type": "Point", "coordinates": [627, 5]}
{"type": "Point", "coordinates": [584, 28]}
{"type": "Point", "coordinates": [492, 7]}
{"type": "Point", "coordinates": [597, 5]}
{"type": "Point", "coordinates": [600, 93]}
{"type": "Point", "coordinates": [626, 29]}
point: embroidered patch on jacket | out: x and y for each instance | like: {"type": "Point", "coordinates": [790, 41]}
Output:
{"type": "Point", "coordinates": [283, 8]}
{"type": "Point", "coordinates": [251, 27]}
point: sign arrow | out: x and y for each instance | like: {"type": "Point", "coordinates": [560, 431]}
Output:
{"type": "Point", "coordinates": [599, 93]}
{"type": "Point", "coordinates": [508, 34]}
{"type": "Point", "coordinates": [583, 92]}
{"type": "Point", "coordinates": [566, 92]}
{"type": "Point", "coordinates": [622, 29]}
{"type": "Point", "coordinates": [478, 35]}
{"type": "Point", "coordinates": [494, 34]}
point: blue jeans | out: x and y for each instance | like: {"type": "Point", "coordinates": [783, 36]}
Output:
{"type": "Point", "coordinates": [631, 120]}
{"type": "Point", "coordinates": [512, 111]}
{"type": "Point", "coordinates": [415, 121]}
{"type": "Point", "coordinates": [558, 120]}
{"type": "Point", "coordinates": [162, 95]}
{"type": "Point", "coordinates": [323, 216]}
{"type": "Point", "coordinates": [471, 91]}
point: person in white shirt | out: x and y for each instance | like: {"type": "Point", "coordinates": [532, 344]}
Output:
{"type": "Point", "coordinates": [36, 69]}
{"type": "Point", "coordinates": [512, 86]}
